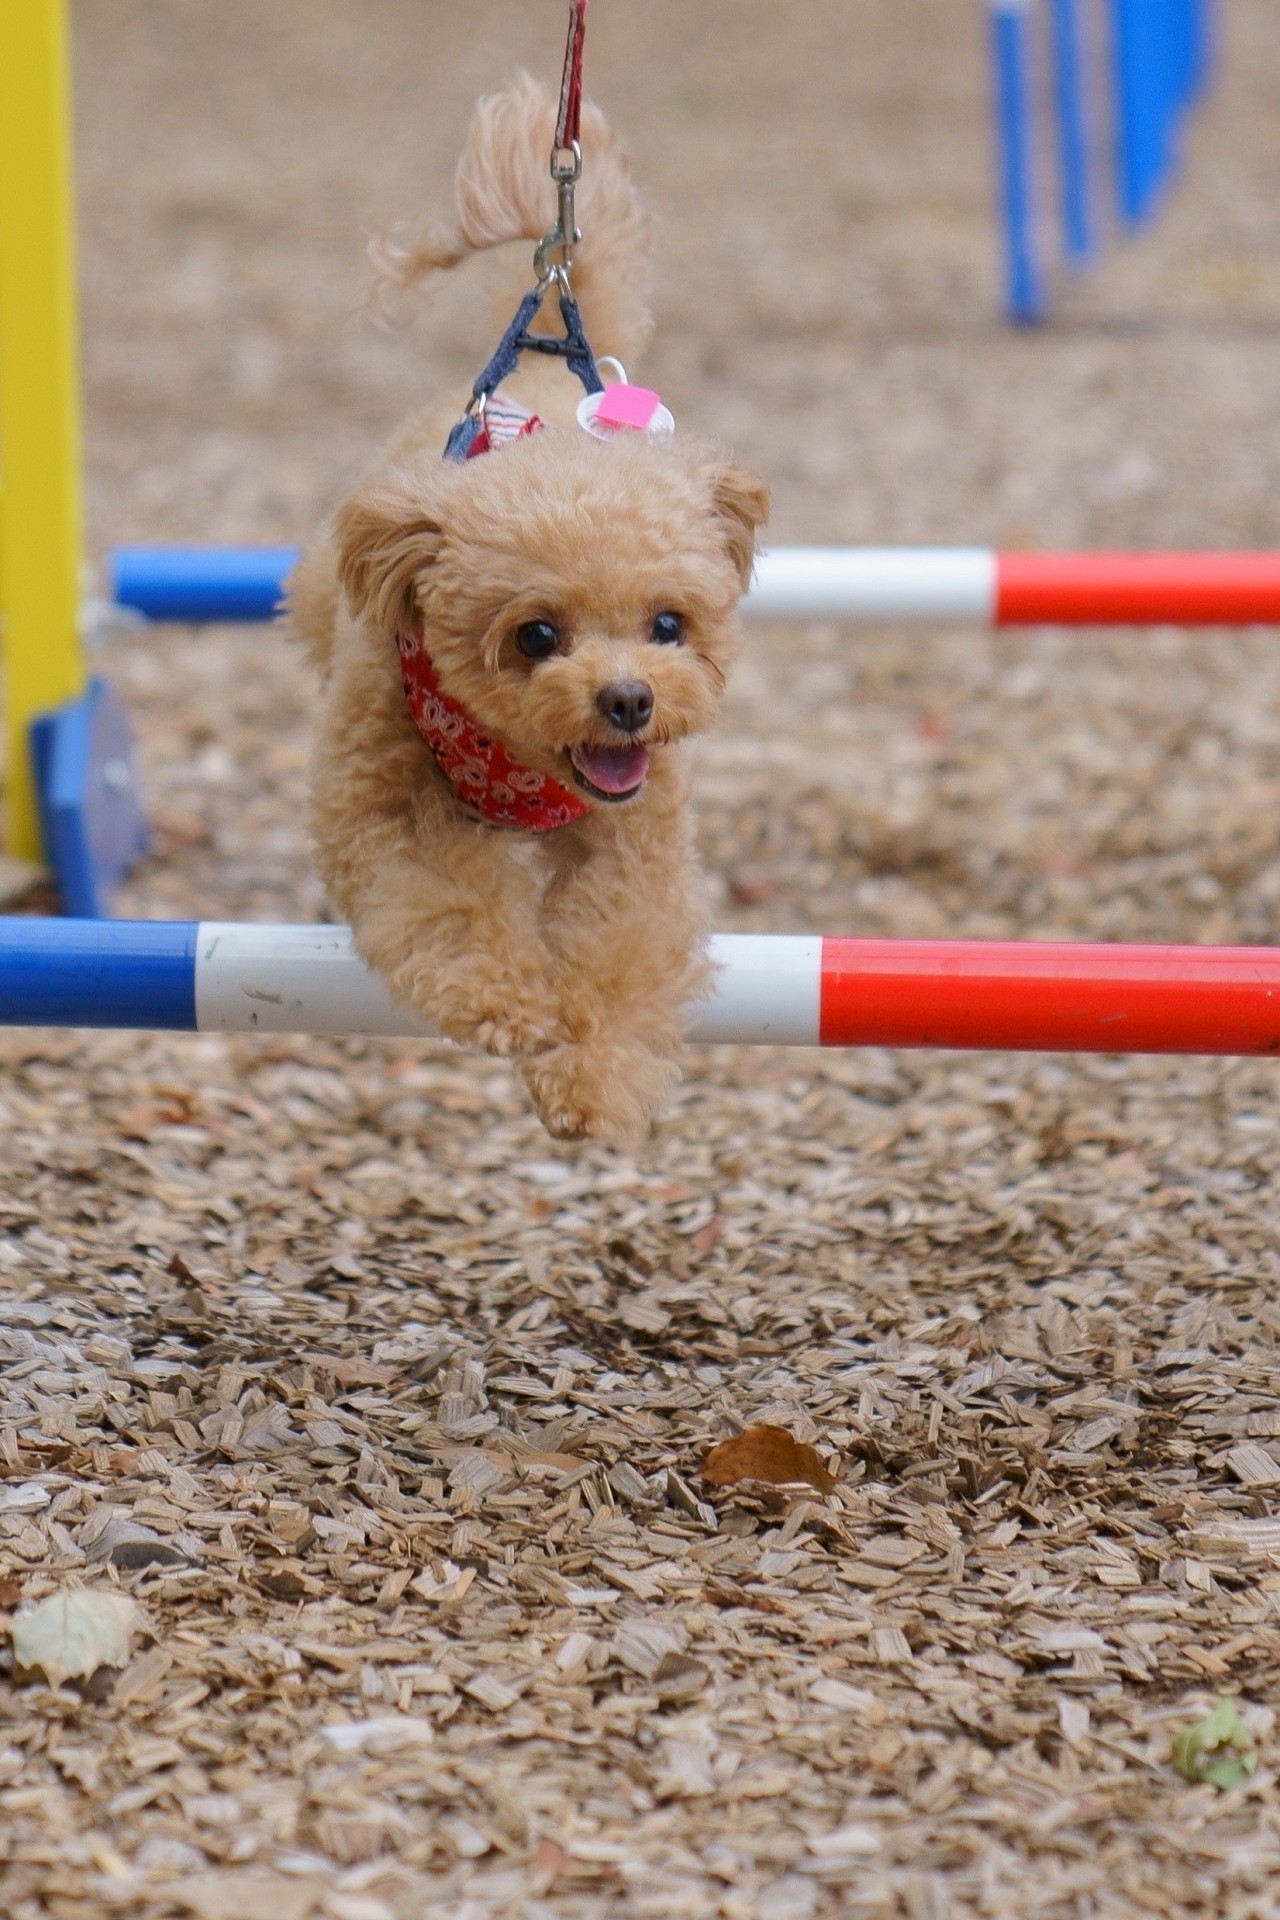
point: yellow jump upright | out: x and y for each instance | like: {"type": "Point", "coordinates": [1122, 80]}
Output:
{"type": "Point", "coordinates": [40, 504]}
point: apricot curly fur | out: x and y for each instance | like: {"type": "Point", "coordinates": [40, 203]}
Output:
{"type": "Point", "coordinates": [575, 952]}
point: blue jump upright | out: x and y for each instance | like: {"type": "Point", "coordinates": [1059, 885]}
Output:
{"type": "Point", "coordinates": [1160, 59]}
{"type": "Point", "coordinates": [91, 817]}
{"type": "Point", "coordinates": [1160, 52]}
{"type": "Point", "coordinates": [1024, 282]}
{"type": "Point", "coordinates": [1071, 103]}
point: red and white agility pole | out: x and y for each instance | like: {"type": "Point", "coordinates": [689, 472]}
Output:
{"type": "Point", "coordinates": [771, 989]}
{"type": "Point", "coordinates": [976, 584]}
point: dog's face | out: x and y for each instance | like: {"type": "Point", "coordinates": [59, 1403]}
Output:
{"type": "Point", "coordinates": [579, 597]}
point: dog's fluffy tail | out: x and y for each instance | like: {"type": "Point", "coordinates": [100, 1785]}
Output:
{"type": "Point", "coordinates": [503, 192]}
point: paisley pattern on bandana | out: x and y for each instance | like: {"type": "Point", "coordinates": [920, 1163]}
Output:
{"type": "Point", "coordinates": [481, 772]}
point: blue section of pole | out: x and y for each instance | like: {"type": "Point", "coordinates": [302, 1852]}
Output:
{"type": "Point", "coordinates": [1024, 287]}
{"type": "Point", "coordinates": [1070, 97]}
{"type": "Point", "coordinates": [201, 583]}
{"type": "Point", "coordinates": [104, 973]}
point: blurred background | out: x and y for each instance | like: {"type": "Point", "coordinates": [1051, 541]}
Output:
{"type": "Point", "coordinates": [828, 289]}
{"type": "Point", "coordinates": [828, 301]}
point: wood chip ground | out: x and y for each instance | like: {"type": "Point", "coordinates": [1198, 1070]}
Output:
{"type": "Point", "coordinates": [387, 1412]}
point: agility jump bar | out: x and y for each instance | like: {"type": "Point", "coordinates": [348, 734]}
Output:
{"type": "Point", "coordinates": [772, 989]}
{"type": "Point", "coordinates": [873, 584]}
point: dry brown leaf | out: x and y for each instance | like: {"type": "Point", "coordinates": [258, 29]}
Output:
{"type": "Point", "coordinates": [770, 1454]}
{"type": "Point", "coordinates": [722, 1594]}
{"type": "Point", "coordinates": [679, 1676]}
{"type": "Point", "coordinates": [552, 1863]}
{"type": "Point", "coordinates": [140, 1121]}
{"type": "Point", "coordinates": [705, 1238]}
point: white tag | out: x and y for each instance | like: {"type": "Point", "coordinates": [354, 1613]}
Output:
{"type": "Point", "coordinates": [633, 410]}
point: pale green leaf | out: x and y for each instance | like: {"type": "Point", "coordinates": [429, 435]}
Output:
{"type": "Point", "coordinates": [1218, 1749]}
{"type": "Point", "coordinates": [70, 1635]}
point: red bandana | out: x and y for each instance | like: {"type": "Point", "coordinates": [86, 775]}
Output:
{"type": "Point", "coordinates": [481, 772]}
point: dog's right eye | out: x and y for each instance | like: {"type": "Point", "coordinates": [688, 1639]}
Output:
{"type": "Point", "coordinates": [537, 639]}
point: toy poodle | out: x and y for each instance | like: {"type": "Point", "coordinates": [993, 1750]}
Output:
{"type": "Point", "coordinates": [513, 650]}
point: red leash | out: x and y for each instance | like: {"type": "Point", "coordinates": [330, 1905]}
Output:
{"type": "Point", "coordinates": [566, 157]}
{"type": "Point", "coordinates": [569, 119]}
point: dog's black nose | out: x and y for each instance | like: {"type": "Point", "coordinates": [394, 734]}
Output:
{"type": "Point", "coordinates": [626, 704]}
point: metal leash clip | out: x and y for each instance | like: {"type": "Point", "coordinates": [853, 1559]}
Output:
{"type": "Point", "coordinates": [566, 171]}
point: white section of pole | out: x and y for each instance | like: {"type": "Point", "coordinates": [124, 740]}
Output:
{"type": "Point", "coordinates": [874, 583]}
{"type": "Point", "coordinates": [768, 991]}
{"type": "Point", "coordinates": [282, 979]}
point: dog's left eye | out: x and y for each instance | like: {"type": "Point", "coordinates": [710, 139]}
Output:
{"type": "Point", "coordinates": [667, 629]}
{"type": "Point", "coordinates": [537, 639]}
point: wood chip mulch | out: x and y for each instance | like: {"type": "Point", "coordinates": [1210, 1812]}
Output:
{"type": "Point", "coordinates": [388, 1414]}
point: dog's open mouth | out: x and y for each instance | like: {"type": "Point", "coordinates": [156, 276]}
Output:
{"type": "Point", "coordinates": [610, 773]}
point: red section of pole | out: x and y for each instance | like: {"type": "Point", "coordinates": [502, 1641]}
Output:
{"type": "Point", "coordinates": [1047, 997]}
{"type": "Point", "coordinates": [1138, 589]}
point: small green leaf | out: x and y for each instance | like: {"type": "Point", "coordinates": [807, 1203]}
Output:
{"type": "Point", "coordinates": [1218, 1749]}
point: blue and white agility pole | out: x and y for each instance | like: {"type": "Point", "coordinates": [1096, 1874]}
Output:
{"type": "Point", "coordinates": [234, 584]}
{"type": "Point", "coordinates": [771, 989]}
{"type": "Point", "coordinates": [211, 976]}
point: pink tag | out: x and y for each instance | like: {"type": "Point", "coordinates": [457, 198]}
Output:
{"type": "Point", "coordinates": [627, 406]}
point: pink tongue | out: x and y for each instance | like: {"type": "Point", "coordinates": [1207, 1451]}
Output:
{"type": "Point", "coordinates": [612, 769]}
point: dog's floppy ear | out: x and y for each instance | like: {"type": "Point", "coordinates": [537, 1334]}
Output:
{"type": "Point", "coordinates": [741, 501]}
{"type": "Point", "coordinates": [388, 536]}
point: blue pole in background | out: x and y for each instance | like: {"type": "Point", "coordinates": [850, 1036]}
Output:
{"type": "Point", "coordinates": [1024, 287]}
{"type": "Point", "coordinates": [1139, 29]}
{"type": "Point", "coordinates": [201, 583]}
{"type": "Point", "coordinates": [1074, 182]}
{"type": "Point", "coordinates": [1161, 61]}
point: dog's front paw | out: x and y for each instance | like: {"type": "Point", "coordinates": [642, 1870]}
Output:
{"type": "Point", "coordinates": [509, 1032]}
{"type": "Point", "coordinates": [600, 1092]}
{"type": "Point", "coordinates": [487, 1008]}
